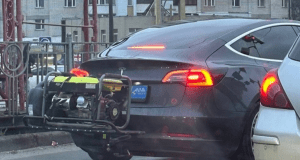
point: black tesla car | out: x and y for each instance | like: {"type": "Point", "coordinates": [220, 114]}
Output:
{"type": "Point", "coordinates": [195, 85]}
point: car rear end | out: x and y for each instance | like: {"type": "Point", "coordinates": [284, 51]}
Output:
{"type": "Point", "coordinates": [176, 96]}
{"type": "Point", "coordinates": [276, 131]}
{"type": "Point", "coordinates": [172, 102]}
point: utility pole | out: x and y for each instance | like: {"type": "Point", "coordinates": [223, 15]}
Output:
{"type": "Point", "coordinates": [182, 9]}
{"type": "Point", "coordinates": [158, 11]}
{"type": "Point", "coordinates": [111, 22]}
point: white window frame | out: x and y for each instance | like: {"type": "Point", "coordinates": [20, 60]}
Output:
{"type": "Point", "coordinates": [285, 3]}
{"type": "Point", "coordinates": [212, 2]}
{"type": "Point", "coordinates": [37, 4]}
{"type": "Point", "coordinates": [234, 3]}
{"type": "Point", "coordinates": [42, 27]}
{"type": "Point", "coordinates": [259, 3]}
{"type": "Point", "coordinates": [72, 1]}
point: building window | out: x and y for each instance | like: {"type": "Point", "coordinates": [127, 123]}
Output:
{"type": "Point", "coordinates": [103, 36]}
{"type": "Point", "coordinates": [190, 2]}
{"type": "Point", "coordinates": [129, 2]}
{"type": "Point", "coordinates": [105, 2]}
{"type": "Point", "coordinates": [91, 2]}
{"type": "Point", "coordinates": [115, 35]}
{"type": "Point", "coordinates": [285, 3]}
{"type": "Point", "coordinates": [133, 30]}
{"type": "Point", "coordinates": [39, 26]}
{"type": "Point", "coordinates": [70, 3]}
{"type": "Point", "coordinates": [235, 3]}
{"type": "Point", "coordinates": [75, 36]}
{"type": "Point", "coordinates": [209, 3]}
{"type": "Point", "coordinates": [261, 3]}
{"type": "Point", "coordinates": [39, 3]}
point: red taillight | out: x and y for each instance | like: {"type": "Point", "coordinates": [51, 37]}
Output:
{"type": "Point", "coordinates": [272, 93]}
{"type": "Point", "coordinates": [79, 72]}
{"type": "Point", "coordinates": [192, 78]}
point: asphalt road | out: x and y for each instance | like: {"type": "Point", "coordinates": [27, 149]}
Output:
{"type": "Point", "coordinates": [63, 152]}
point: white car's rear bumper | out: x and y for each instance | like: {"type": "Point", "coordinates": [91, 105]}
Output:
{"type": "Point", "coordinates": [277, 134]}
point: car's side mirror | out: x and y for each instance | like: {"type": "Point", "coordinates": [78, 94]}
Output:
{"type": "Point", "coordinates": [245, 51]}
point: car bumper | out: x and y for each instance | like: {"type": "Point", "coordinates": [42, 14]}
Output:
{"type": "Point", "coordinates": [185, 134]}
{"type": "Point", "coordinates": [165, 146]}
{"type": "Point", "coordinates": [276, 134]}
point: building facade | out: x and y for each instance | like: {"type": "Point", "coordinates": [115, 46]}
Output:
{"type": "Point", "coordinates": [132, 15]}
{"type": "Point", "coordinates": [240, 8]}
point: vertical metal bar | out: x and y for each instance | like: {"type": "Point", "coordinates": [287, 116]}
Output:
{"type": "Point", "coordinates": [65, 64]}
{"type": "Point", "coordinates": [69, 52]}
{"type": "Point", "coordinates": [4, 20]}
{"type": "Point", "coordinates": [16, 95]}
{"type": "Point", "coordinates": [27, 77]}
{"type": "Point", "coordinates": [13, 94]}
{"type": "Point", "coordinates": [37, 69]}
{"type": "Point", "coordinates": [46, 63]}
{"type": "Point", "coordinates": [9, 96]}
{"type": "Point", "coordinates": [55, 57]}
{"type": "Point", "coordinates": [63, 31]}
{"type": "Point", "coordinates": [11, 20]}
{"type": "Point", "coordinates": [85, 29]}
{"type": "Point", "coordinates": [42, 67]}
{"type": "Point", "coordinates": [95, 24]}
{"type": "Point", "coordinates": [111, 22]}
{"type": "Point", "coordinates": [289, 9]}
{"type": "Point", "coordinates": [64, 56]}
{"type": "Point", "coordinates": [63, 39]}
{"type": "Point", "coordinates": [19, 17]}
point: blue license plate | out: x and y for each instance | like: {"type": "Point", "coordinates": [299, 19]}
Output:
{"type": "Point", "coordinates": [139, 93]}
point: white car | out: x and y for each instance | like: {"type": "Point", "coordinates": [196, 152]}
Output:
{"type": "Point", "coordinates": [276, 131]}
{"type": "Point", "coordinates": [33, 81]}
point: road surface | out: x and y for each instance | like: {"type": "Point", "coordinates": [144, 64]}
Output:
{"type": "Point", "coordinates": [62, 152]}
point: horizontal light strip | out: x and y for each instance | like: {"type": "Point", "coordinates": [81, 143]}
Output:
{"type": "Point", "coordinates": [148, 47]}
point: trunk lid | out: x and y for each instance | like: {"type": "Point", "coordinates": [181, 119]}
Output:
{"type": "Point", "coordinates": [146, 72]}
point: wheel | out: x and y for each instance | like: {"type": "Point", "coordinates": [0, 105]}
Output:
{"type": "Point", "coordinates": [246, 149]}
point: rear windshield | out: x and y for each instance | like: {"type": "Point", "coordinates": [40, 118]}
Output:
{"type": "Point", "coordinates": [295, 53]}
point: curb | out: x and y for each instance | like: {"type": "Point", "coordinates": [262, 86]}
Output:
{"type": "Point", "coordinates": [32, 140]}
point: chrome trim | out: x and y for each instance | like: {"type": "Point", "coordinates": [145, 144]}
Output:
{"type": "Point", "coordinates": [265, 140]}
{"type": "Point", "coordinates": [228, 44]}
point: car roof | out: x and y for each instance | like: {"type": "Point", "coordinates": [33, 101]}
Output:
{"type": "Point", "coordinates": [231, 27]}
{"type": "Point", "coordinates": [186, 41]}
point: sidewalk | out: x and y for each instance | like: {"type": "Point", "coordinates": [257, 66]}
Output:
{"type": "Point", "coordinates": [32, 140]}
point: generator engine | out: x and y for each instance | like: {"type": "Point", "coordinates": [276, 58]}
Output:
{"type": "Point", "coordinates": [78, 97]}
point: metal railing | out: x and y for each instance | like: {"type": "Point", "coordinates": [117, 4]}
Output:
{"type": "Point", "coordinates": [32, 61]}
